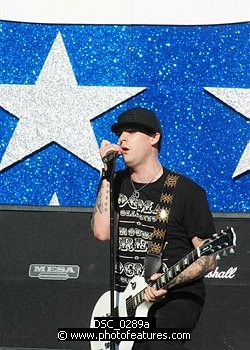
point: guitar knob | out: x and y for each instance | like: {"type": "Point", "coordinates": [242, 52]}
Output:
{"type": "Point", "coordinates": [231, 251]}
{"type": "Point", "coordinates": [217, 257]}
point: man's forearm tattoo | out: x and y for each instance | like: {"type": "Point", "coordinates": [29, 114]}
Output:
{"type": "Point", "coordinates": [198, 269]}
{"type": "Point", "coordinates": [203, 263]}
{"type": "Point", "coordinates": [100, 205]}
{"type": "Point", "coordinates": [102, 202]}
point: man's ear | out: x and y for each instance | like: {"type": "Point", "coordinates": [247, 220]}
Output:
{"type": "Point", "coordinates": [155, 138]}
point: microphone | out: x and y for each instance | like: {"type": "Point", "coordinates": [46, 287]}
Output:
{"type": "Point", "coordinates": [112, 155]}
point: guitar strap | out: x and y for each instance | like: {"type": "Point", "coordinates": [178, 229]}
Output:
{"type": "Point", "coordinates": [153, 261]}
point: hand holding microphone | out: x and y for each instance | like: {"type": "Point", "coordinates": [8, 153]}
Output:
{"type": "Point", "coordinates": [109, 151]}
{"type": "Point", "coordinates": [110, 156]}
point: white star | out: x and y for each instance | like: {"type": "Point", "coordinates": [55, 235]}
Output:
{"type": "Point", "coordinates": [54, 200]}
{"type": "Point", "coordinates": [238, 99]}
{"type": "Point", "coordinates": [57, 109]}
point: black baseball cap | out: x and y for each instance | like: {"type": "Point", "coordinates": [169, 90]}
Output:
{"type": "Point", "coordinates": [141, 119]}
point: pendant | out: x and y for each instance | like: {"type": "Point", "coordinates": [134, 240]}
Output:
{"type": "Point", "coordinates": [136, 194]}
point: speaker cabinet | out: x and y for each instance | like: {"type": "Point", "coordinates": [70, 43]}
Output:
{"type": "Point", "coordinates": [53, 272]}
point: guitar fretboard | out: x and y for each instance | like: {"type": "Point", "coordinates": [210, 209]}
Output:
{"type": "Point", "coordinates": [175, 270]}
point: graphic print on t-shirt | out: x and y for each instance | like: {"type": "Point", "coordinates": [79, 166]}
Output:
{"type": "Point", "coordinates": [136, 222]}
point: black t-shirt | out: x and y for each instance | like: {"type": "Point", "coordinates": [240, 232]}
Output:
{"type": "Point", "coordinates": [189, 216]}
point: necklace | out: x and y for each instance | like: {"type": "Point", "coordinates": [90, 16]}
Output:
{"type": "Point", "coordinates": [136, 193]}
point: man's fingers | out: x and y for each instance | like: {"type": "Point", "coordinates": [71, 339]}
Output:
{"type": "Point", "coordinates": [152, 295]}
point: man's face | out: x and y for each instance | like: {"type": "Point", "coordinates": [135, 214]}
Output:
{"type": "Point", "coordinates": [136, 146]}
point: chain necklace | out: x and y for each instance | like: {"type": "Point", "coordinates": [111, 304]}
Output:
{"type": "Point", "coordinates": [136, 193]}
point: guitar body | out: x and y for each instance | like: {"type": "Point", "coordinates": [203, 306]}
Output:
{"type": "Point", "coordinates": [102, 309]}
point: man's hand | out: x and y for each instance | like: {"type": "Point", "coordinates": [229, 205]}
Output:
{"type": "Point", "coordinates": [107, 147]}
{"type": "Point", "coordinates": [153, 295]}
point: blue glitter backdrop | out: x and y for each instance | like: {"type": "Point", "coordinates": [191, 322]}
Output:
{"type": "Point", "coordinates": [203, 137]}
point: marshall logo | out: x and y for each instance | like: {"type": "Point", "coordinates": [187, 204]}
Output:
{"type": "Point", "coordinates": [227, 274]}
{"type": "Point", "coordinates": [54, 272]}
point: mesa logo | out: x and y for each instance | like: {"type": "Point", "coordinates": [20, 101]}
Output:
{"type": "Point", "coordinates": [54, 272]}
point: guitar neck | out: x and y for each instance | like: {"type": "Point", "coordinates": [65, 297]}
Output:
{"type": "Point", "coordinates": [176, 269]}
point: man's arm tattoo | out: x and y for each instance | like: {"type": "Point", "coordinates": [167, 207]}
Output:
{"type": "Point", "coordinates": [102, 205]}
{"type": "Point", "coordinates": [204, 263]}
{"type": "Point", "coordinates": [99, 205]}
{"type": "Point", "coordinates": [198, 269]}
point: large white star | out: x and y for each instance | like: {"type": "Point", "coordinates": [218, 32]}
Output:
{"type": "Point", "coordinates": [238, 99]}
{"type": "Point", "coordinates": [57, 109]}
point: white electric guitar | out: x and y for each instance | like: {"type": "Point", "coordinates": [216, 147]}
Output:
{"type": "Point", "coordinates": [131, 302]}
